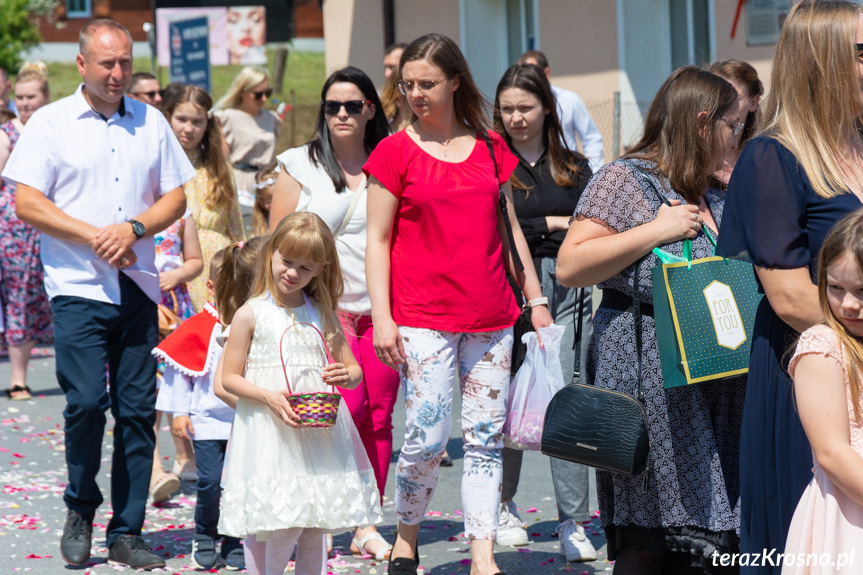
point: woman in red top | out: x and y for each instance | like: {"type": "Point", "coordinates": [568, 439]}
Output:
{"type": "Point", "coordinates": [440, 300]}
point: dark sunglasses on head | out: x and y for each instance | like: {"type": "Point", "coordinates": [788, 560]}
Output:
{"type": "Point", "coordinates": [352, 107]}
{"type": "Point", "coordinates": [261, 95]}
{"type": "Point", "coordinates": [151, 94]}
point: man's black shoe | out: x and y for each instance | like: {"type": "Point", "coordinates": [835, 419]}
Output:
{"type": "Point", "coordinates": [131, 550]}
{"type": "Point", "coordinates": [75, 542]}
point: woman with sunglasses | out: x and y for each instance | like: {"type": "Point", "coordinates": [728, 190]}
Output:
{"type": "Point", "coordinates": [791, 184]}
{"type": "Point", "coordinates": [673, 516]}
{"type": "Point", "coordinates": [325, 177]}
{"type": "Point", "coordinates": [250, 132]}
{"type": "Point", "coordinates": [436, 264]}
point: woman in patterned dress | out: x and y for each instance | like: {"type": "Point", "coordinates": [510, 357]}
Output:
{"type": "Point", "coordinates": [25, 310]}
{"type": "Point", "coordinates": [211, 194]}
{"type": "Point", "coordinates": [690, 507]}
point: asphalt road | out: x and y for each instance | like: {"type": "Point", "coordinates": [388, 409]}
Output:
{"type": "Point", "coordinates": [33, 475]}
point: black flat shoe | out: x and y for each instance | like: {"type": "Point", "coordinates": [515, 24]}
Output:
{"type": "Point", "coordinates": [404, 565]}
{"type": "Point", "coordinates": [446, 461]}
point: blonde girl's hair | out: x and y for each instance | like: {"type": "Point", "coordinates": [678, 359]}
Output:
{"type": "Point", "coordinates": [248, 78]}
{"type": "Point", "coordinates": [813, 107]}
{"type": "Point", "coordinates": [261, 213]}
{"type": "Point", "coordinates": [34, 72]}
{"type": "Point", "coordinates": [236, 275]}
{"type": "Point", "coordinates": [304, 235]}
{"type": "Point", "coordinates": [222, 196]}
{"type": "Point", "coordinates": [846, 237]}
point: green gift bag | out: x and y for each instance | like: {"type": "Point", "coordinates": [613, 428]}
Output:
{"type": "Point", "coordinates": [704, 311]}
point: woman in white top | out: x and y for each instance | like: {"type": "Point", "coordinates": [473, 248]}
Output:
{"type": "Point", "coordinates": [325, 177]}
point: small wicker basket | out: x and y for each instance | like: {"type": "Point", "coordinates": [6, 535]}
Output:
{"type": "Point", "coordinates": [318, 409]}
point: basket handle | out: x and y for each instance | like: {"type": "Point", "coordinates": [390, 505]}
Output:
{"type": "Point", "coordinates": [282, 350]}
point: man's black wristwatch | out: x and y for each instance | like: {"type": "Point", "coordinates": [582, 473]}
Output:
{"type": "Point", "coordinates": [138, 228]}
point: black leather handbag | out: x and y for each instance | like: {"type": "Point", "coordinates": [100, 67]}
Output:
{"type": "Point", "coordinates": [599, 427]}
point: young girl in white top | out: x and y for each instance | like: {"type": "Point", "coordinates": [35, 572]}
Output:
{"type": "Point", "coordinates": [283, 481]}
{"type": "Point", "coordinates": [827, 369]}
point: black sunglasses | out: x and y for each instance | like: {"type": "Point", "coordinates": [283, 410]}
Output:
{"type": "Point", "coordinates": [265, 94]}
{"type": "Point", "coordinates": [352, 107]}
{"type": "Point", "coordinates": [151, 94]}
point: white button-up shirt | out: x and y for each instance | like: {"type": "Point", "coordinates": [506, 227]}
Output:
{"type": "Point", "coordinates": [575, 119]}
{"type": "Point", "coordinates": [100, 172]}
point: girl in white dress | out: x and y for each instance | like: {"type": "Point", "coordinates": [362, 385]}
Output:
{"type": "Point", "coordinates": [286, 484]}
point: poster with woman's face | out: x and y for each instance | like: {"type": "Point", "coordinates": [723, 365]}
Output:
{"type": "Point", "coordinates": [247, 35]}
{"type": "Point", "coordinates": [238, 35]}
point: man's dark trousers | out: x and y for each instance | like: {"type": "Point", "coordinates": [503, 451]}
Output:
{"type": "Point", "coordinates": [88, 336]}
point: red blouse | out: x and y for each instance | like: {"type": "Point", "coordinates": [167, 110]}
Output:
{"type": "Point", "coordinates": [447, 270]}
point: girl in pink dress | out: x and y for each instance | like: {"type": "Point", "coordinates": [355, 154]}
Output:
{"type": "Point", "coordinates": [826, 533]}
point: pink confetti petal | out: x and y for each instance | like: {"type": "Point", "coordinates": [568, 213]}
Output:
{"type": "Point", "coordinates": [532, 510]}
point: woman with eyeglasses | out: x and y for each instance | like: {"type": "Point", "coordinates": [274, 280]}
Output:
{"type": "Point", "coordinates": [745, 80]}
{"type": "Point", "coordinates": [325, 176]}
{"type": "Point", "coordinates": [673, 516]}
{"type": "Point", "coordinates": [436, 264]}
{"type": "Point", "coordinates": [250, 132]}
{"type": "Point", "coordinates": [791, 184]}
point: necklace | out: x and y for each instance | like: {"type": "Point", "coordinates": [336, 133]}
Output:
{"type": "Point", "coordinates": [444, 145]}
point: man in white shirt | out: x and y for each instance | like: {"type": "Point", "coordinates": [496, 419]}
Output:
{"type": "Point", "coordinates": [574, 117]}
{"type": "Point", "coordinates": [99, 174]}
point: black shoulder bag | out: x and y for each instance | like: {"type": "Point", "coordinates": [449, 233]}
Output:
{"type": "Point", "coordinates": [522, 324]}
{"type": "Point", "coordinates": [599, 427]}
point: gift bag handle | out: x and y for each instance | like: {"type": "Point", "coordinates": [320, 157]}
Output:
{"type": "Point", "coordinates": [282, 350]}
{"type": "Point", "coordinates": [663, 256]}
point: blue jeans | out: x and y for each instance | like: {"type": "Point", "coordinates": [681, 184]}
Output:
{"type": "Point", "coordinates": [571, 480]}
{"type": "Point", "coordinates": [209, 460]}
{"type": "Point", "coordinates": [90, 335]}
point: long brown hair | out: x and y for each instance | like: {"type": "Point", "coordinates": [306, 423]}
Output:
{"type": "Point", "coordinates": [846, 237]}
{"type": "Point", "coordinates": [813, 107]}
{"type": "Point", "coordinates": [671, 136]}
{"type": "Point", "coordinates": [304, 235]}
{"type": "Point", "coordinates": [468, 102]}
{"type": "Point", "coordinates": [223, 195]}
{"type": "Point", "coordinates": [744, 74]}
{"type": "Point", "coordinates": [561, 161]}
{"type": "Point", "coordinates": [236, 275]}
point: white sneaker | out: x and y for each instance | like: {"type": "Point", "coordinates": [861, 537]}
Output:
{"type": "Point", "coordinates": [574, 544]}
{"type": "Point", "coordinates": [510, 528]}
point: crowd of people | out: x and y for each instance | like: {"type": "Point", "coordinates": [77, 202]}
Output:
{"type": "Point", "coordinates": [181, 266]}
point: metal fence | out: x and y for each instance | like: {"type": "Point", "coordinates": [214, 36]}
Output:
{"type": "Point", "coordinates": [620, 123]}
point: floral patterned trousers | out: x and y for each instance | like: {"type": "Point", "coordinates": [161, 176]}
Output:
{"type": "Point", "coordinates": [483, 361]}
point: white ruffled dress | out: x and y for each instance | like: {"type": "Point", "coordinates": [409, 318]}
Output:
{"type": "Point", "coordinates": [276, 476]}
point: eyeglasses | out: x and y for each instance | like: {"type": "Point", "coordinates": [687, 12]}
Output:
{"type": "Point", "coordinates": [151, 94]}
{"type": "Point", "coordinates": [352, 107]}
{"type": "Point", "coordinates": [860, 50]}
{"type": "Point", "coordinates": [261, 95]}
{"type": "Point", "coordinates": [735, 127]}
{"type": "Point", "coordinates": [424, 86]}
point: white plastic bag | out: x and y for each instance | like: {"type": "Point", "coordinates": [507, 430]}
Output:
{"type": "Point", "coordinates": [530, 391]}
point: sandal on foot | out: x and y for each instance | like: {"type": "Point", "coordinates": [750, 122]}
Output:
{"type": "Point", "coordinates": [19, 393]}
{"type": "Point", "coordinates": [383, 552]}
{"type": "Point", "coordinates": [166, 485]}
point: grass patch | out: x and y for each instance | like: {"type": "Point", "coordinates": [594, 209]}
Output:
{"type": "Point", "coordinates": [304, 74]}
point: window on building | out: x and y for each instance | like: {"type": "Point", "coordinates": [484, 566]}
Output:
{"type": "Point", "coordinates": [78, 9]}
{"type": "Point", "coordinates": [521, 28]}
{"type": "Point", "coordinates": [690, 32]}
